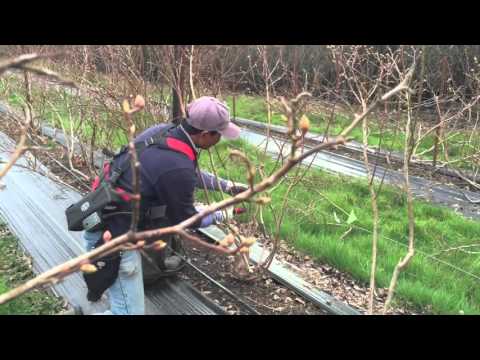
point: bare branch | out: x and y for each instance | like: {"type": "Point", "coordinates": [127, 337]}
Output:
{"type": "Point", "coordinates": [411, 219]}
{"type": "Point", "coordinates": [50, 74]}
{"type": "Point", "coordinates": [18, 62]}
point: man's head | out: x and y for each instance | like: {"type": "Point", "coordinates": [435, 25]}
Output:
{"type": "Point", "coordinates": [210, 119]}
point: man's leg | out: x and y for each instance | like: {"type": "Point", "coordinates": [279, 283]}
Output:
{"type": "Point", "coordinates": [126, 295]}
{"type": "Point", "coordinates": [165, 262]}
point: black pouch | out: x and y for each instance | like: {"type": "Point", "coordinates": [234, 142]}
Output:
{"type": "Point", "coordinates": [106, 274]}
{"type": "Point", "coordinates": [86, 213]}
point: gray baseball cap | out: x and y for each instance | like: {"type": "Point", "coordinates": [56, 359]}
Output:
{"type": "Point", "coordinates": [210, 114]}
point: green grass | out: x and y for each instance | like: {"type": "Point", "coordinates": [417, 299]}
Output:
{"type": "Point", "coordinates": [14, 270]}
{"type": "Point", "coordinates": [254, 108]}
{"type": "Point", "coordinates": [426, 284]}
{"type": "Point", "coordinates": [82, 113]}
{"type": "Point", "coordinates": [61, 109]}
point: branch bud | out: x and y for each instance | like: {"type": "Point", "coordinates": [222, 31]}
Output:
{"type": "Point", "coordinates": [341, 140]}
{"type": "Point", "coordinates": [139, 102]}
{"type": "Point", "coordinates": [159, 245]}
{"type": "Point", "coordinates": [88, 268]}
{"type": "Point", "coordinates": [244, 250]}
{"type": "Point", "coordinates": [304, 124]}
{"type": "Point", "coordinates": [263, 200]}
{"type": "Point", "coordinates": [125, 106]}
{"type": "Point", "coordinates": [227, 241]}
{"type": "Point", "coordinates": [249, 241]}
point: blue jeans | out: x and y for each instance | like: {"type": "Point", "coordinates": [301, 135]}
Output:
{"type": "Point", "coordinates": [127, 296]}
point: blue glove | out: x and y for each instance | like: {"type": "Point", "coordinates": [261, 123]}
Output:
{"type": "Point", "coordinates": [222, 215]}
{"type": "Point", "coordinates": [215, 217]}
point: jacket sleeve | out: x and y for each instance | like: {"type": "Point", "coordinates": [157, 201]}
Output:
{"type": "Point", "coordinates": [211, 182]}
{"type": "Point", "coordinates": [177, 188]}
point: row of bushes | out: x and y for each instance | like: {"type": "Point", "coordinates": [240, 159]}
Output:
{"type": "Point", "coordinates": [245, 68]}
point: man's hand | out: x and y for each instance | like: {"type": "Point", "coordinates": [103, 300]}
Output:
{"type": "Point", "coordinates": [228, 213]}
{"type": "Point", "coordinates": [220, 216]}
{"type": "Point", "coordinates": [234, 188]}
{"type": "Point", "coordinates": [224, 214]}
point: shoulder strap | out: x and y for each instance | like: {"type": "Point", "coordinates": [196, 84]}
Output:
{"type": "Point", "coordinates": [161, 140]}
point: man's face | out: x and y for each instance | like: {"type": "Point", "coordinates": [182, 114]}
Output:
{"type": "Point", "coordinates": [207, 139]}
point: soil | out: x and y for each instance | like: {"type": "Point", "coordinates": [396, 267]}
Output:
{"type": "Point", "coordinates": [269, 297]}
{"type": "Point", "coordinates": [263, 294]}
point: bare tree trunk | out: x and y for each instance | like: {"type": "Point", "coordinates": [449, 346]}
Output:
{"type": "Point", "coordinates": [178, 112]}
{"type": "Point", "coordinates": [192, 88]}
{"type": "Point", "coordinates": [439, 130]}
{"type": "Point", "coordinates": [373, 196]}
{"type": "Point", "coordinates": [295, 70]}
{"type": "Point", "coordinates": [411, 220]}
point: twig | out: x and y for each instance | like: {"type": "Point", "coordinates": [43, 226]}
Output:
{"type": "Point", "coordinates": [237, 241]}
{"type": "Point", "coordinates": [20, 148]}
{"type": "Point", "coordinates": [460, 248]}
{"type": "Point", "coordinates": [192, 89]}
{"type": "Point", "coordinates": [135, 164]}
{"type": "Point", "coordinates": [50, 74]}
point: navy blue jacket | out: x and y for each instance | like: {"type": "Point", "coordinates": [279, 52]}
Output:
{"type": "Point", "coordinates": [167, 178]}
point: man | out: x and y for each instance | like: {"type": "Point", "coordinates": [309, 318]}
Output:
{"type": "Point", "coordinates": [168, 178]}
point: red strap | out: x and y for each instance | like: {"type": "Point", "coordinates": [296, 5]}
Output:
{"type": "Point", "coordinates": [180, 146]}
{"type": "Point", "coordinates": [172, 143]}
{"type": "Point", "coordinates": [96, 183]}
{"type": "Point", "coordinates": [106, 172]}
{"type": "Point", "coordinates": [123, 194]}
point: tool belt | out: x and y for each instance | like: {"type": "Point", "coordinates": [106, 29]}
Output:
{"type": "Point", "coordinates": [87, 213]}
{"type": "Point", "coordinates": [106, 274]}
